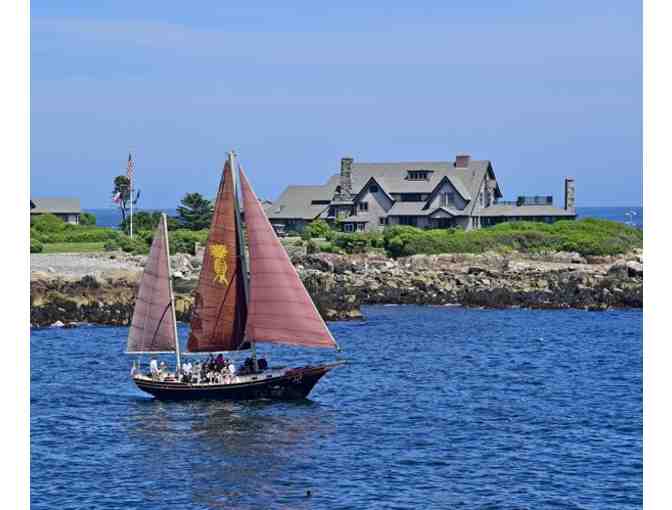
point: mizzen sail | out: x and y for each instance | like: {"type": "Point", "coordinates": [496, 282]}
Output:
{"type": "Point", "coordinates": [219, 313]}
{"type": "Point", "coordinates": [153, 326]}
{"type": "Point", "coordinates": [279, 307]}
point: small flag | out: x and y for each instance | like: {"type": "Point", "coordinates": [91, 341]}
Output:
{"type": "Point", "coordinates": [117, 198]}
{"type": "Point", "coordinates": [129, 169]}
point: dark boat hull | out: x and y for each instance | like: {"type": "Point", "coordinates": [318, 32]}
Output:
{"type": "Point", "coordinates": [294, 385]}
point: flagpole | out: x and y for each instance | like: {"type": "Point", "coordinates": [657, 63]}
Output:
{"type": "Point", "coordinates": [130, 178]}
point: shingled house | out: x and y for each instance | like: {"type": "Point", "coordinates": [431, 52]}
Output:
{"type": "Point", "coordinates": [368, 196]}
{"type": "Point", "coordinates": [68, 209]}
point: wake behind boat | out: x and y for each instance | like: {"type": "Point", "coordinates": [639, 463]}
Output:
{"type": "Point", "coordinates": [235, 307]}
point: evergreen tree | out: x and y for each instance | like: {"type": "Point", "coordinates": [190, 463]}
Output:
{"type": "Point", "coordinates": [195, 212]}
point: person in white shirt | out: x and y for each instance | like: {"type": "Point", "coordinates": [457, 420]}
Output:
{"type": "Point", "coordinates": [154, 367]}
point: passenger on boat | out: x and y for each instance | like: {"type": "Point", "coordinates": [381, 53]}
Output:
{"type": "Point", "coordinates": [262, 363]}
{"type": "Point", "coordinates": [219, 362]}
{"type": "Point", "coordinates": [154, 368]}
{"type": "Point", "coordinates": [187, 371]}
{"type": "Point", "coordinates": [232, 368]}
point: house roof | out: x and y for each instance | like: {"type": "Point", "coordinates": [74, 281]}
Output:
{"type": "Point", "coordinates": [55, 205]}
{"type": "Point", "coordinates": [523, 210]}
{"type": "Point", "coordinates": [295, 202]}
{"type": "Point", "coordinates": [408, 209]}
{"type": "Point", "coordinates": [393, 176]}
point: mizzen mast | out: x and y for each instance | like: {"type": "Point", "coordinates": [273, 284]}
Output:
{"type": "Point", "coordinates": [164, 221]}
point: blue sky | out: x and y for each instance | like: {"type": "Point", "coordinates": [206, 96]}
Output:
{"type": "Point", "coordinates": [542, 89]}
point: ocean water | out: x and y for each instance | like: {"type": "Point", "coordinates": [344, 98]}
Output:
{"type": "Point", "coordinates": [112, 217]}
{"type": "Point", "coordinates": [438, 407]}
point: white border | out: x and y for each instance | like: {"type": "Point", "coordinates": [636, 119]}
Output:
{"type": "Point", "coordinates": [15, 295]}
{"type": "Point", "coordinates": [657, 281]}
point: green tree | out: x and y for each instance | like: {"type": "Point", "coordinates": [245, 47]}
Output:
{"type": "Point", "coordinates": [121, 195]}
{"type": "Point", "coordinates": [87, 219]}
{"type": "Point", "coordinates": [142, 220]}
{"type": "Point", "coordinates": [195, 212]}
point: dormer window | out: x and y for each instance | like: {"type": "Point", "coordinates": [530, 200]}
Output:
{"type": "Point", "coordinates": [418, 175]}
{"type": "Point", "coordinates": [447, 199]}
{"type": "Point", "coordinates": [373, 188]}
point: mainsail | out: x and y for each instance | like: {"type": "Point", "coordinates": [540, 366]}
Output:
{"type": "Point", "coordinates": [219, 312]}
{"type": "Point", "coordinates": [153, 326]}
{"type": "Point", "coordinates": [279, 307]}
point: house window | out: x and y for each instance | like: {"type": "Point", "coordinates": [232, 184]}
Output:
{"type": "Point", "coordinates": [373, 188]}
{"type": "Point", "coordinates": [348, 227]}
{"type": "Point", "coordinates": [320, 202]}
{"type": "Point", "coordinates": [360, 227]}
{"type": "Point", "coordinates": [447, 199]}
{"type": "Point", "coordinates": [363, 206]}
{"type": "Point", "coordinates": [382, 221]}
{"type": "Point", "coordinates": [408, 220]}
{"type": "Point", "coordinates": [410, 197]}
{"type": "Point", "coordinates": [418, 175]}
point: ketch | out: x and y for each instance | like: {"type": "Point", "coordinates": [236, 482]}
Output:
{"type": "Point", "coordinates": [237, 304]}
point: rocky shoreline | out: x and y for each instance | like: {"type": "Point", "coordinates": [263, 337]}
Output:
{"type": "Point", "coordinates": [100, 288]}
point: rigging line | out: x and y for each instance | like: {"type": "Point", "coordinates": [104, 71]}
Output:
{"type": "Point", "coordinates": [218, 315]}
{"type": "Point", "coordinates": [158, 325]}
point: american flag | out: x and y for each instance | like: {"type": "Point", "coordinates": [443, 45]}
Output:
{"type": "Point", "coordinates": [129, 168]}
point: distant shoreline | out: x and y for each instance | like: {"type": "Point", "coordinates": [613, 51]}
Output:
{"type": "Point", "coordinates": [100, 288]}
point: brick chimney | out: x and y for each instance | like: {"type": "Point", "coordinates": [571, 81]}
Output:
{"type": "Point", "coordinates": [346, 179]}
{"type": "Point", "coordinates": [462, 160]}
{"type": "Point", "coordinates": [570, 194]}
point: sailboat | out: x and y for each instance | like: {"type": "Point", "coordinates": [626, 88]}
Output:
{"type": "Point", "coordinates": [236, 306]}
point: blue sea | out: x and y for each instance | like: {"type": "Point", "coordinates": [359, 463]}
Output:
{"type": "Point", "coordinates": [438, 407]}
{"type": "Point", "coordinates": [634, 215]}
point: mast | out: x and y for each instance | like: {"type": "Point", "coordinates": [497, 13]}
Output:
{"type": "Point", "coordinates": [241, 244]}
{"type": "Point", "coordinates": [164, 222]}
{"type": "Point", "coordinates": [130, 181]}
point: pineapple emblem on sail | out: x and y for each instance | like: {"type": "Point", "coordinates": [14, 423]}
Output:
{"type": "Point", "coordinates": [219, 252]}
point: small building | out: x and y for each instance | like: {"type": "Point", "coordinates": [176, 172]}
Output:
{"type": "Point", "coordinates": [68, 209]}
{"type": "Point", "coordinates": [463, 193]}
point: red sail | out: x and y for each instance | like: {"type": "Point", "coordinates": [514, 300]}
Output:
{"type": "Point", "coordinates": [279, 309]}
{"type": "Point", "coordinates": [152, 327]}
{"type": "Point", "coordinates": [219, 312]}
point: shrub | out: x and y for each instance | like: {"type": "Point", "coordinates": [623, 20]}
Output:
{"type": "Point", "coordinates": [587, 237]}
{"type": "Point", "coordinates": [47, 223]}
{"type": "Point", "coordinates": [184, 241]}
{"type": "Point", "coordinates": [358, 242]}
{"type": "Point", "coordinates": [125, 243]}
{"type": "Point", "coordinates": [316, 228]}
{"type": "Point", "coordinates": [87, 219]}
{"type": "Point", "coordinates": [35, 246]}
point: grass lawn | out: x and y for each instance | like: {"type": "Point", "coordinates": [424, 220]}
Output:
{"type": "Point", "coordinates": [72, 247]}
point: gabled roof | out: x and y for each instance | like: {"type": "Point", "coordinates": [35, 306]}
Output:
{"type": "Point", "coordinates": [408, 209]}
{"type": "Point", "coordinates": [55, 205]}
{"type": "Point", "coordinates": [449, 210]}
{"type": "Point", "coordinates": [366, 186]}
{"type": "Point", "coordinates": [393, 176]}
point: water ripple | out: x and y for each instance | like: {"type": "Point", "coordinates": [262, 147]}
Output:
{"type": "Point", "coordinates": [437, 408]}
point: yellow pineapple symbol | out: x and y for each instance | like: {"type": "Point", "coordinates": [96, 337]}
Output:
{"type": "Point", "coordinates": [219, 252]}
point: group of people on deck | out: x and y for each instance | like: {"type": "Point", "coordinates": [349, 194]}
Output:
{"type": "Point", "coordinates": [219, 370]}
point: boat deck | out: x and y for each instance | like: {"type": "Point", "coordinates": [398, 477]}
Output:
{"type": "Point", "coordinates": [270, 373]}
